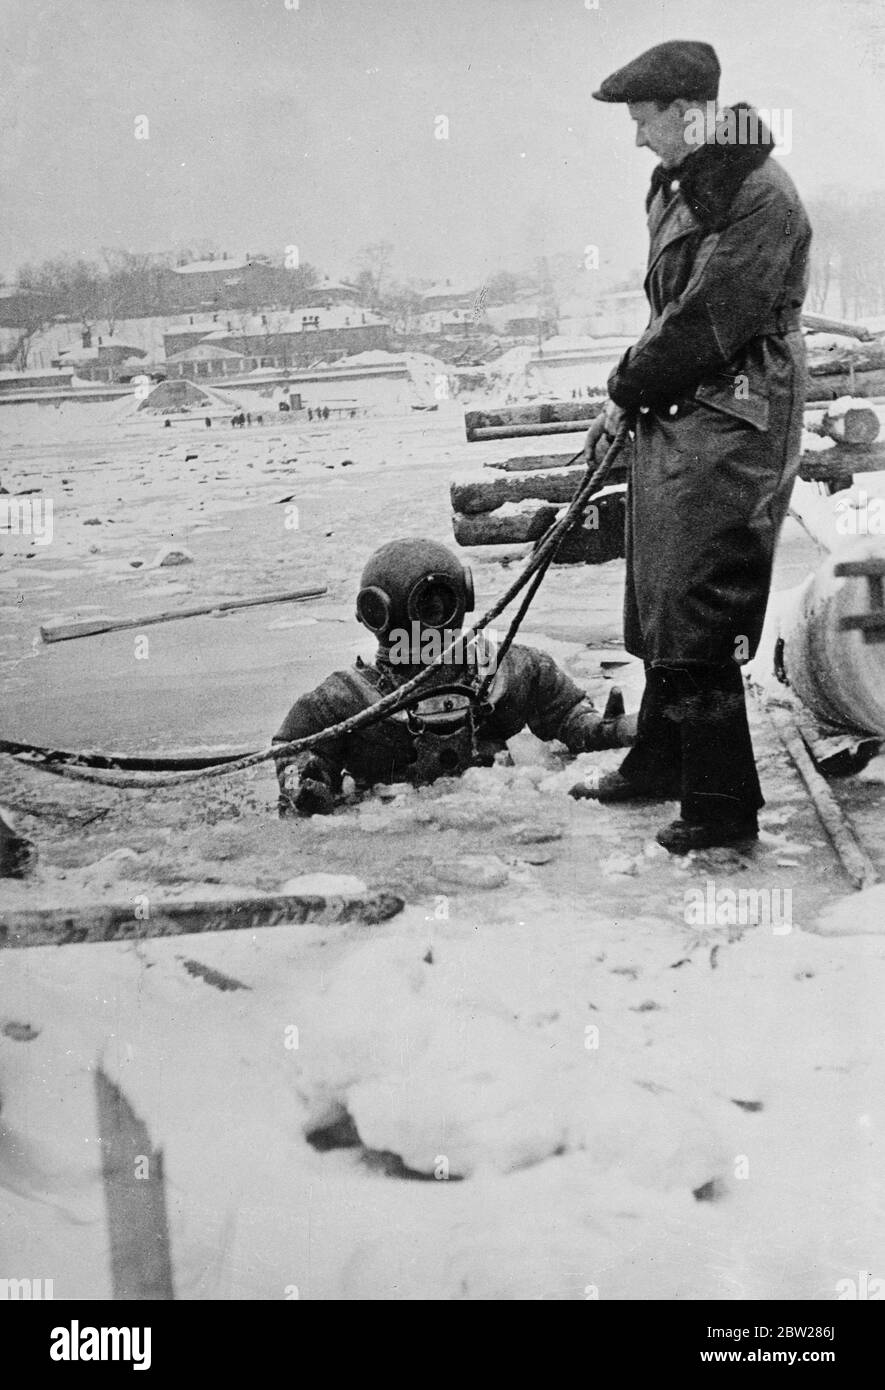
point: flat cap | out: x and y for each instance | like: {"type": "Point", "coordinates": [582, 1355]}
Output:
{"type": "Point", "coordinates": [678, 68]}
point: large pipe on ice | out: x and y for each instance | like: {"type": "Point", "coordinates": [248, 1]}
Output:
{"type": "Point", "coordinates": [832, 642]}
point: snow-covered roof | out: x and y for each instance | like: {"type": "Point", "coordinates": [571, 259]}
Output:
{"type": "Point", "coordinates": [375, 358]}
{"type": "Point", "coordinates": [89, 354]}
{"type": "Point", "coordinates": [219, 263]}
{"type": "Point", "coordinates": [339, 316]}
{"type": "Point", "coordinates": [188, 330]}
{"type": "Point", "coordinates": [202, 352]}
{"type": "Point", "coordinates": [327, 283]}
{"type": "Point", "coordinates": [445, 288]}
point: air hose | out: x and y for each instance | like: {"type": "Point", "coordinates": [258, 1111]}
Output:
{"type": "Point", "coordinates": [130, 774]}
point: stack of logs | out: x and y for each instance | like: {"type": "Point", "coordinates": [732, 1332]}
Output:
{"type": "Point", "coordinates": [530, 491]}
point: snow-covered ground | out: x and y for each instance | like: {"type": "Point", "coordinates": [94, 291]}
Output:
{"type": "Point", "coordinates": [617, 1076]}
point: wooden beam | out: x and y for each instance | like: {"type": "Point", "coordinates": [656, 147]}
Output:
{"type": "Point", "coordinates": [819, 323]}
{"type": "Point", "coordinates": [102, 922]}
{"type": "Point", "coordinates": [856, 864]}
{"type": "Point", "coordinates": [135, 1199]}
{"type": "Point", "coordinates": [89, 627]}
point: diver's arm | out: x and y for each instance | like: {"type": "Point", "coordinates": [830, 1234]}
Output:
{"type": "Point", "coordinates": [560, 709]}
{"type": "Point", "coordinates": [585, 730]}
{"type": "Point", "coordinates": [310, 780]}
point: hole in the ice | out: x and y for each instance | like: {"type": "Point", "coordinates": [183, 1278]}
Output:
{"type": "Point", "coordinates": [342, 1133]}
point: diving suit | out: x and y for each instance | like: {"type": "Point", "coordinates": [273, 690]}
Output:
{"type": "Point", "coordinates": [413, 597]}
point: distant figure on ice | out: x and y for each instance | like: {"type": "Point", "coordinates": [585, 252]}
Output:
{"type": "Point", "coordinates": [309, 413]}
{"type": "Point", "coordinates": [413, 596]}
{"type": "Point", "coordinates": [208, 423]}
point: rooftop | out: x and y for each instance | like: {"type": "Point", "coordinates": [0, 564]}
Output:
{"type": "Point", "coordinates": [203, 352]}
{"type": "Point", "coordinates": [253, 325]}
{"type": "Point", "coordinates": [219, 263]}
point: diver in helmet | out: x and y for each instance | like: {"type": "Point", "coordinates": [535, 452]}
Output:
{"type": "Point", "coordinates": [413, 597]}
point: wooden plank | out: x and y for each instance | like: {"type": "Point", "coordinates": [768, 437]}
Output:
{"type": "Point", "coordinates": [102, 922]}
{"type": "Point", "coordinates": [135, 1199]}
{"type": "Point", "coordinates": [89, 627]}
{"type": "Point", "coordinates": [856, 864]}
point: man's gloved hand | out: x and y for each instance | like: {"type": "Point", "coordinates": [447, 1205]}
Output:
{"type": "Point", "coordinates": [307, 790]}
{"type": "Point", "coordinates": [602, 431]}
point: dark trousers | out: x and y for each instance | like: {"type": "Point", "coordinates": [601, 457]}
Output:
{"type": "Point", "coordinates": [693, 742]}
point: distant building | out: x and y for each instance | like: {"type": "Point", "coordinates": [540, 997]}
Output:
{"type": "Point", "coordinates": [207, 360]}
{"type": "Point", "coordinates": [108, 359]}
{"type": "Point", "coordinates": [223, 282]}
{"type": "Point", "coordinates": [446, 295]}
{"type": "Point", "coordinates": [328, 292]}
{"type": "Point", "coordinates": [524, 318]}
{"type": "Point", "coordinates": [299, 338]}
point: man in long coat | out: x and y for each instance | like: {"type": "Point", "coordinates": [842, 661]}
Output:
{"type": "Point", "coordinates": [714, 391]}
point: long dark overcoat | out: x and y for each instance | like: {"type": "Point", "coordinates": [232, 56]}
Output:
{"type": "Point", "coordinates": [718, 381]}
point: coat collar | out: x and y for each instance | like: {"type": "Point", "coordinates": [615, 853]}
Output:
{"type": "Point", "coordinates": [710, 178]}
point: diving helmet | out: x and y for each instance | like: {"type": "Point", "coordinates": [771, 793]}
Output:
{"type": "Point", "coordinates": [413, 581]}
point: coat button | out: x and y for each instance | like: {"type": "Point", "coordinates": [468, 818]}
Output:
{"type": "Point", "coordinates": [674, 409]}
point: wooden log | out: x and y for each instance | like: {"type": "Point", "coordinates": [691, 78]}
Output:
{"type": "Point", "coordinates": [502, 527]}
{"type": "Point", "coordinates": [858, 424]}
{"type": "Point", "coordinates": [552, 485]}
{"type": "Point", "coordinates": [841, 462]}
{"type": "Point", "coordinates": [831, 386]}
{"type": "Point", "coordinates": [89, 627]}
{"type": "Point", "coordinates": [526, 431]}
{"type": "Point", "coordinates": [101, 922]}
{"type": "Point", "coordinates": [532, 462]}
{"type": "Point", "coordinates": [843, 361]}
{"type": "Point", "coordinates": [540, 413]}
{"type": "Point", "coordinates": [819, 323]}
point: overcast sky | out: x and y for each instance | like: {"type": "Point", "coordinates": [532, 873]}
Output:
{"type": "Point", "coordinates": [315, 125]}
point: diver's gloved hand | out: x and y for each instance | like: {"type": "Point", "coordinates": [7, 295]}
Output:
{"type": "Point", "coordinates": [611, 729]}
{"type": "Point", "coordinates": [618, 727]}
{"type": "Point", "coordinates": [307, 790]}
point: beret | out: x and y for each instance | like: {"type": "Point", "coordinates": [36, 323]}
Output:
{"type": "Point", "coordinates": [678, 68]}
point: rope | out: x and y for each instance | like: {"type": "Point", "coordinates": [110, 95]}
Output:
{"type": "Point", "coordinates": [537, 565]}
